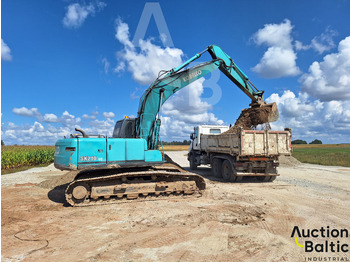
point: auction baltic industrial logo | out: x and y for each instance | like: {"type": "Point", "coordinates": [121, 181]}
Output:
{"type": "Point", "coordinates": [328, 243]}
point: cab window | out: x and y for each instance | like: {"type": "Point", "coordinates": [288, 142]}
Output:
{"type": "Point", "coordinates": [215, 131]}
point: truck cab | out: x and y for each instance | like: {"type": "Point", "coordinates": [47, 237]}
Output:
{"type": "Point", "coordinates": [195, 155]}
{"type": "Point", "coordinates": [205, 130]}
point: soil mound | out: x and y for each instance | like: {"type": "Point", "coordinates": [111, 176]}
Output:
{"type": "Point", "coordinates": [288, 161]}
{"type": "Point", "coordinates": [58, 181]}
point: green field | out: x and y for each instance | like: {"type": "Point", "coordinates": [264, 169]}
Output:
{"type": "Point", "coordinates": [328, 155]}
{"type": "Point", "coordinates": [17, 158]}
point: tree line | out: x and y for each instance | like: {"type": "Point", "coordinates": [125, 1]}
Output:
{"type": "Point", "coordinates": [185, 142]}
{"type": "Point", "coordinates": [303, 142]}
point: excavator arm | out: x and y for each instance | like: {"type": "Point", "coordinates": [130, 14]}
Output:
{"type": "Point", "coordinates": [169, 82]}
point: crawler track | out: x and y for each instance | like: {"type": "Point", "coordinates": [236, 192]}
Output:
{"type": "Point", "coordinates": [120, 186]}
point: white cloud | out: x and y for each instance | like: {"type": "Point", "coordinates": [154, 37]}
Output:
{"type": "Point", "coordinates": [277, 62]}
{"type": "Point", "coordinates": [188, 106]}
{"type": "Point", "coordinates": [184, 109]}
{"type": "Point", "coordinates": [275, 35]}
{"type": "Point", "coordinates": [5, 51]}
{"type": "Point", "coordinates": [324, 42]}
{"type": "Point", "coordinates": [23, 111]}
{"type": "Point", "coordinates": [66, 119]}
{"type": "Point", "coordinates": [120, 67]}
{"type": "Point", "coordinates": [146, 63]}
{"type": "Point", "coordinates": [76, 13]}
{"type": "Point", "coordinates": [50, 118]}
{"type": "Point", "coordinates": [300, 46]}
{"type": "Point", "coordinates": [137, 93]}
{"type": "Point", "coordinates": [106, 65]}
{"type": "Point", "coordinates": [92, 116]}
{"type": "Point", "coordinates": [122, 33]}
{"type": "Point", "coordinates": [108, 115]}
{"type": "Point", "coordinates": [312, 119]}
{"type": "Point", "coordinates": [47, 129]}
{"type": "Point", "coordinates": [280, 59]}
{"type": "Point", "coordinates": [320, 44]}
{"type": "Point", "coordinates": [69, 120]}
{"type": "Point", "coordinates": [103, 127]}
{"type": "Point", "coordinates": [330, 79]}
{"type": "Point", "coordinates": [37, 133]}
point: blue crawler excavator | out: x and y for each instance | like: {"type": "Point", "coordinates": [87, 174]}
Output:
{"type": "Point", "coordinates": [129, 165]}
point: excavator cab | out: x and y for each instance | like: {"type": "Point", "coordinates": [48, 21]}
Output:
{"type": "Point", "coordinates": [125, 128]}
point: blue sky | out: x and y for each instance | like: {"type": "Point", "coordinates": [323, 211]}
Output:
{"type": "Point", "coordinates": [68, 64]}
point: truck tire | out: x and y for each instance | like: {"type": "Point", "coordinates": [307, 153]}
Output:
{"type": "Point", "coordinates": [228, 172]}
{"type": "Point", "coordinates": [266, 178]}
{"type": "Point", "coordinates": [216, 167]}
{"type": "Point", "coordinates": [272, 178]}
{"type": "Point", "coordinates": [193, 165]}
{"type": "Point", "coordinates": [238, 178]}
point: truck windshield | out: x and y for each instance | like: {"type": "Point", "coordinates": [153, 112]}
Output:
{"type": "Point", "coordinates": [215, 131]}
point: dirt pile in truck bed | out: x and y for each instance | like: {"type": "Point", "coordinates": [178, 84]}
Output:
{"type": "Point", "coordinates": [250, 117]}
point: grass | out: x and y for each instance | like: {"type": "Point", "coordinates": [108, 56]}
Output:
{"type": "Point", "coordinates": [328, 155]}
{"type": "Point", "coordinates": [18, 158]}
{"type": "Point", "coordinates": [19, 169]}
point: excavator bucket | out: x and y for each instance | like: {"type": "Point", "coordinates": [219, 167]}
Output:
{"type": "Point", "coordinates": [257, 114]}
{"type": "Point", "coordinates": [272, 112]}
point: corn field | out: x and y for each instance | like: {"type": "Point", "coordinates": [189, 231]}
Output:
{"type": "Point", "coordinates": [20, 156]}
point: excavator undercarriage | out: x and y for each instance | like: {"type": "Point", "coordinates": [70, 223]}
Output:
{"type": "Point", "coordinates": [95, 187]}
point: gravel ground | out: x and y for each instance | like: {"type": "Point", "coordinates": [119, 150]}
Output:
{"type": "Point", "coordinates": [246, 221]}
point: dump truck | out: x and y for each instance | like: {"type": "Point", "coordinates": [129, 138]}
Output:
{"type": "Point", "coordinates": [243, 153]}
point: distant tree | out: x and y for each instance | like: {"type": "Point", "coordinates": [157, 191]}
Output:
{"type": "Point", "coordinates": [2, 143]}
{"type": "Point", "coordinates": [316, 141]}
{"type": "Point", "coordinates": [298, 142]}
{"type": "Point", "coordinates": [185, 142]}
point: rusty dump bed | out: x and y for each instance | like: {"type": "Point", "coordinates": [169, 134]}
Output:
{"type": "Point", "coordinates": [249, 143]}
{"type": "Point", "coordinates": [97, 187]}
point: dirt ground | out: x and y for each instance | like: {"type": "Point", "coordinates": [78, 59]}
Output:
{"type": "Point", "coordinates": [246, 221]}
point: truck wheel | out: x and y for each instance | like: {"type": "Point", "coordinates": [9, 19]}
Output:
{"type": "Point", "coordinates": [272, 178]}
{"type": "Point", "coordinates": [228, 173]}
{"type": "Point", "coordinates": [263, 178]}
{"type": "Point", "coordinates": [193, 165]}
{"type": "Point", "coordinates": [216, 167]}
{"type": "Point", "coordinates": [239, 178]}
